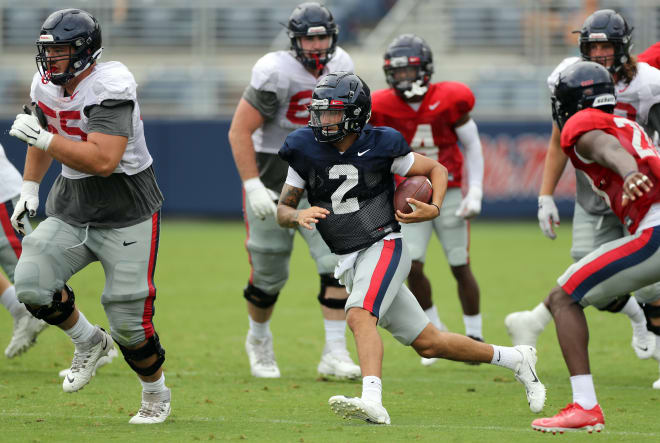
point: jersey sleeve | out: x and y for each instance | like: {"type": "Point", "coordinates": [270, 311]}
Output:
{"type": "Point", "coordinates": [341, 61]}
{"type": "Point", "coordinates": [554, 75]}
{"type": "Point", "coordinates": [462, 100]}
{"type": "Point", "coordinates": [115, 84]}
{"type": "Point", "coordinates": [398, 145]}
{"type": "Point", "coordinates": [651, 56]}
{"type": "Point", "coordinates": [292, 155]}
{"type": "Point", "coordinates": [36, 81]}
{"type": "Point", "coordinates": [581, 123]}
{"type": "Point", "coordinates": [266, 76]}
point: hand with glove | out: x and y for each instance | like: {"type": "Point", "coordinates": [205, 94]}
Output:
{"type": "Point", "coordinates": [548, 216]}
{"type": "Point", "coordinates": [260, 199]}
{"type": "Point", "coordinates": [471, 204]}
{"type": "Point", "coordinates": [28, 203]}
{"type": "Point", "coordinates": [31, 129]}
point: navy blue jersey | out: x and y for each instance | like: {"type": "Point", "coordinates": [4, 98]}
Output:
{"type": "Point", "coordinates": [356, 186]}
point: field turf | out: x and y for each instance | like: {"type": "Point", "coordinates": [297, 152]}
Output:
{"type": "Point", "coordinates": [201, 318]}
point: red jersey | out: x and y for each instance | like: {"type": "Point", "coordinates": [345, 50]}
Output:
{"type": "Point", "coordinates": [430, 129]}
{"type": "Point", "coordinates": [604, 181]}
{"type": "Point", "coordinates": [651, 55]}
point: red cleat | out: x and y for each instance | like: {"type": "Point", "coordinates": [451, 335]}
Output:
{"type": "Point", "coordinates": [572, 418]}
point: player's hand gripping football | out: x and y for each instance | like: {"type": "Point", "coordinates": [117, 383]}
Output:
{"type": "Point", "coordinates": [471, 204]}
{"type": "Point", "coordinates": [548, 216]}
{"type": "Point", "coordinates": [31, 129]}
{"type": "Point", "coordinates": [307, 218]}
{"type": "Point", "coordinates": [27, 203]}
{"type": "Point", "coordinates": [260, 200]}
{"type": "Point", "coordinates": [422, 212]}
{"type": "Point", "coordinates": [635, 185]}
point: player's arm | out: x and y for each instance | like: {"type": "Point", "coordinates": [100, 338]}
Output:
{"type": "Point", "coordinates": [468, 135]}
{"type": "Point", "coordinates": [288, 214]}
{"type": "Point", "coordinates": [606, 150]}
{"type": "Point", "coordinates": [438, 176]}
{"type": "Point", "coordinates": [555, 163]}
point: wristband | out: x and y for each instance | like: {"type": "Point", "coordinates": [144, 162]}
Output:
{"type": "Point", "coordinates": [436, 207]}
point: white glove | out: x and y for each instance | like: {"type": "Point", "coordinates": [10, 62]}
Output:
{"type": "Point", "coordinates": [28, 203]}
{"type": "Point", "coordinates": [548, 216]}
{"type": "Point", "coordinates": [259, 198]}
{"type": "Point", "coordinates": [26, 127]}
{"type": "Point", "coordinates": [471, 204]}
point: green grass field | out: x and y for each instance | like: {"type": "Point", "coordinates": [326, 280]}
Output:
{"type": "Point", "coordinates": [202, 322]}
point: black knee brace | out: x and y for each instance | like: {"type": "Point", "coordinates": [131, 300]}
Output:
{"type": "Point", "coordinates": [258, 297]}
{"type": "Point", "coordinates": [651, 312]}
{"type": "Point", "coordinates": [617, 305]}
{"type": "Point", "coordinates": [152, 347]}
{"type": "Point", "coordinates": [327, 280]}
{"type": "Point", "coordinates": [57, 311]}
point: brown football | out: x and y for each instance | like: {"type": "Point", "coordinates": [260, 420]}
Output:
{"type": "Point", "coordinates": [417, 187]}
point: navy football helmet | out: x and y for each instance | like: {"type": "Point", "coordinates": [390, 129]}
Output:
{"type": "Point", "coordinates": [73, 27]}
{"type": "Point", "coordinates": [341, 104]}
{"type": "Point", "coordinates": [582, 85]}
{"type": "Point", "coordinates": [310, 19]}
{"type": "Point", "coordinates": [409, 50]}
{"type": "Point", "coordinates": [607, 25]}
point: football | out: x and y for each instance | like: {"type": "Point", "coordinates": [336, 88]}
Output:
{"type": "Point", "coordinates": [417, 187]}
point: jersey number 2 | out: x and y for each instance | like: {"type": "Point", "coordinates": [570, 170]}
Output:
{"type": "Point", "coordinates": [339, 205]}
{"type": "Point", "coordinates": [637, 137]}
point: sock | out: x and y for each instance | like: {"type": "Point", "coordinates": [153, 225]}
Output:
{"type": "Point", "coordinates": [584, 393]}
{"type": "Point", "coordinates": [10, 301]}
{"type": "Point", "coordinates": [636, 316]}
{"type": "Point", "coordinates": [259, 330]}
{"type": "Point", "coordinates": [372, 389]}
{"type": "Point", "coordinates": [542, 314]}
{"type": "Point", "coordinates": [154, 386]}
{"type": "Point", "coordinates": [473, 325]}
{"type": "Point", "coordinates": [506, 357]}
{"type": "Point", "coordinates": [432, 314]}
{"type": "Point", "coordinates": [335, 334]}
{"type": "Point", "coordinates": [82, 331]}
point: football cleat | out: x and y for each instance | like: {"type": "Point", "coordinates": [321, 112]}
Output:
{"type": "Point", "coordinates": [338, 364]}
{"type": "Point", "coordinates": [85, 359]}
{"type": "Point", "coordinates": [356, 408]}
{"type": "Point", "coordinates": [644, 346]}
{"type": "Point", "coordinates": [572, 418]}
{"type": "Point", "coordinates": [262, 357]}
{"type": "Point", "coordinates": [106, 359]}
{"type": "Point", "coordinates": [155, 408]}
{"type": "Point", "coordinates": [26, 329]}
{"type": "Point", "coordinates": [523, 328]}
{"type": "Point", "coordinates": [525, 373]}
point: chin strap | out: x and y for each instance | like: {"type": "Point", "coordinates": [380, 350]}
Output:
{"type": "Point", "coordinates": [416, 89]}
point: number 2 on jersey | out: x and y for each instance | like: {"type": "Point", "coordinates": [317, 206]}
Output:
{"type": "Point", "coordinates": [350, 204]}
{"type": "Point", "coordinates": [638, 132]}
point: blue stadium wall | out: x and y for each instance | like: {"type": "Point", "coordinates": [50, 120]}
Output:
{"type": "Point", "coordinates": [196, 172]}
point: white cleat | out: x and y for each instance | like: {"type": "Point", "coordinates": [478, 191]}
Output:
{"type": "Point", "coordinates": [262, 357]}
{"type": "Point", "coordinates": [644, 346]}
{"type": "Point", "coordinates": [356, 408]}
{"type": "Point", "coordinates": [106, 359]}
{"type": "Point", "coordinates": [26, 329]}
{"type": "Point", "coordinates": [155, 408]}
{"type": "Point", "coordinates": [85, 359]}
{"type": "Point", "coordinates": [523, 328]}
{"type": "Point", "coordinates": [338, 364]}
{"type": "Point", "coordinates": [656, 356]}
{"type": "Point", "coordinates": [525, 373]}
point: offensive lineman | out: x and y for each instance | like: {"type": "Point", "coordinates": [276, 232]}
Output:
{"type": "Point", "coordinates": [105, 205]}
{"type": "Point", "coordinates": [605, 38]}
{"type": "Point", "coordinates": [274, 104]}
{"type": "Point", "coordinates": [347, 172]}
{"type": "Point", "coordinates": [432, 117]}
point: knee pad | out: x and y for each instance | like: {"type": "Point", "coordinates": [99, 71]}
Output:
{"type": "Point", "coordinates": [617, 305]}
{"type": "Point", "coordinates": [152, 348]}
{"type": "Point", "coordinates": [258, 297]}
{"type": "Point", "coordinates": [57, 311]}
{"type": "Point", "coordinates": [327, 280]}
{"type": "Point", "coordinates": [651, 312]}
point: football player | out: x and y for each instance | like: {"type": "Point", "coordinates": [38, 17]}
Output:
{"type": "Point", "coordinates": [104, 206]}
{"type": "Point", "coordinates": [347, 172]}
{"type": "Point", "coordinates": [622, 165]}
{"type": "Point", "coordinates": [605, 38]}
{"type": "Point", "coordinates": [274, 104]}
{"type": "Point", "coordinates": [432, 117]}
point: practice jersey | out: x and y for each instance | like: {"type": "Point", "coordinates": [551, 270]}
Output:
{"type": "Point", "coordinates": [356, 186]}
{"type": "Point", "coordinates": [10, 179]}
{"type": "Point", "coordinates": [651, 55]}
{"type": "Point", "coordinates": [605, 182]}
{"type": "Point", "coordinates": [430, 129]}
{"type": "Point", "coordinates": [67, 116]}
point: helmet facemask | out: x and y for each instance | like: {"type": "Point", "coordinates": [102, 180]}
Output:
{"type": "Point", "coordinates": [408, 66]}
{"type": "Point", "coordinates": [79, 58]}
{"type": "Point", "coordinates": [332, 120]}
{"type": "Point", "coordinates": [313, 59]}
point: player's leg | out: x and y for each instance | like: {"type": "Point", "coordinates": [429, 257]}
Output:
{"type": "Point", "coordinates": [26, 327]}
{"type": "Point", "coordinates": [51, 255]}
{"type": "Point", "coordinates": [269, 249]}
{"type": "Point", "coordinates": [618, 267]}
{"type": "Point", "coordinates": [648, 299]}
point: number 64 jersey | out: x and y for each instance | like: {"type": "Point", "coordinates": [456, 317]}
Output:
{"type": "Point", "coordinates": [642, 213]}
{"type": "Point", "coordinates": [356, 186]}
